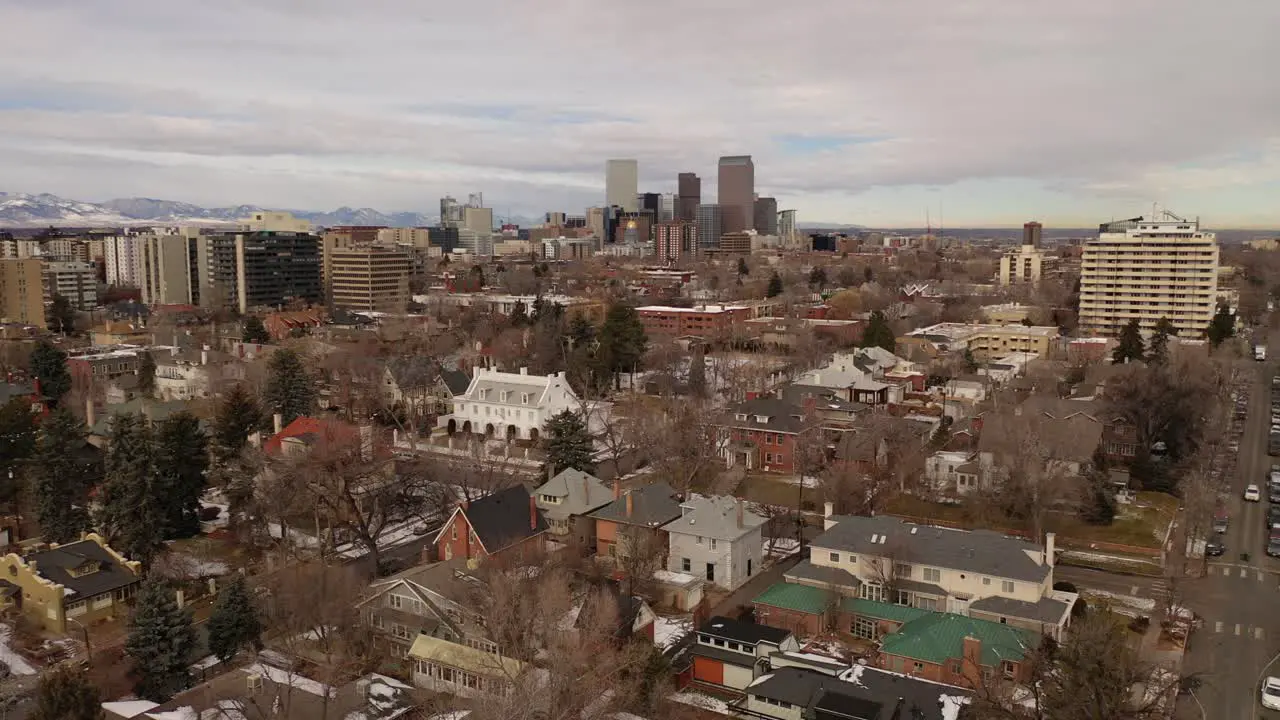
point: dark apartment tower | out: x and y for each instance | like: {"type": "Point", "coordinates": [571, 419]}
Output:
{"type": "Point", "coordinates": [1031, 234]}
{"type": "Point", "coordinates": [766, 212]}
{"type": "Point", "coordinates": [737, 193]}
{"type": "Point", "coordinates": [688, 196]}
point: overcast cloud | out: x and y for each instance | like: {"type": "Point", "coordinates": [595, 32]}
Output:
{"type": "Point", "coordinates": [990, 111]}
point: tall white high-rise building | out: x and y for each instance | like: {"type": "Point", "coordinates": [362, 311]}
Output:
{"type": "Point", "coordinates": [621, 184]}
{"type": "Point", "coordinates": [123, 256]}
{"type": "Point", "coordinates": [1148, 269]}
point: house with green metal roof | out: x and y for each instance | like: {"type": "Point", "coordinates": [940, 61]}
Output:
{"type": "Point", "coordinates": [801, 609]}
{"type": "Point", "coordinates": [958, 650]}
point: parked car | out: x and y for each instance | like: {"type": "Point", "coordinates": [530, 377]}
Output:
{"type": "Point", "coordinates": [1273, 544]}
{"type": "Point", "coordinates": [1220, 521]}
{"type": "Point", "coordinates": [1216, 545]}
{"type": "Point", "coordinates": [1271, 693]}
{"type": "Point", "coordinates": [1273, 517]}
{"type": "Point", "coordinates": [1252, 494]}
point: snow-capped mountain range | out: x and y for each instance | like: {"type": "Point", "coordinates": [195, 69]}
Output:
{"type": "Point", "coordinates": [44, 210]}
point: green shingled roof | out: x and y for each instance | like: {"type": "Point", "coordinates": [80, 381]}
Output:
{"type": "Point", "coordinates": [790, 596]}
{"type": "Point", "coordinates": [938, 637]}
{"type": "Point", "coordinates": [882, 611]}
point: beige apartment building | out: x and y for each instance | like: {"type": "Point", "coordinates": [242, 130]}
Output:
{"type": "Point", "coordinates": [22, 291]}
{"type": "Point", "coordinates": [1021, 266]}
{"type": "Point", "coordinates": [984, 342]}
{"type": "Point", "coordinates": [1149, 269]}
{"type": "Point", "coordinates": [168, 274]}
{"type": "Point", "coordinates": [417, 237]}
{"type": "Point", "coordinates": [370, 279]}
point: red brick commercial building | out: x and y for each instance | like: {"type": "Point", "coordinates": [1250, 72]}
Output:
{"type": "Point", "coordinates": [704, 321]}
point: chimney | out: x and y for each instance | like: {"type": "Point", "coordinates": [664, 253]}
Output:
{"type": "Point", "coordinates": [1048, 548]}
{"type": "Point", "coordinates": [89, 415]}
{"type": "Point", "coordinates": [277, 421]}
{"type": "Point", "coordinates": [828, 509]}
{"type": "Point", "coordinates": [740, 513]}
{"type": "Point", "coordinates": [972, 654]}
{"type": "Point", "coordinates": [586, 487]}
{"type": "Point", "coordinates": [630, 503]}
{"type": "Point", "coordinates": [533, 513]}
{"type": "Point", "coordinates": [617, 489]}
{"type": "Point", "coordinates": [475, 371]}
{"type": "Point", "coordinates": [204, 356]}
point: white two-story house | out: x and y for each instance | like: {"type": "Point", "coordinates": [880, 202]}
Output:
{"type": "Point", "coordinates": [715, 538]}
{"type": "Point", "coordinates": [976, 573]}
{"type": "Point", "coordinates": [514, 406]}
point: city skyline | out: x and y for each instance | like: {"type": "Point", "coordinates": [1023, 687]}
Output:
{"type": "Point", "coordinates": [1096, 119]}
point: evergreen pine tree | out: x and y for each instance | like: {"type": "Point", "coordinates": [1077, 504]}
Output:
{"type": "Point", "coordinates": [239, 415]}
{"type": "Point", "coordinates": [290, 390]}
{"type": "Point", "coordinates": [742, 267]}
{"type": "Point", "coordinates": [817, 277]}
{"type": "Point", "coordinates": [581, 331]}
{"type": "Point", "coordinates": [254, 331]}
{"type": "Point", "coordinates": [622, 340]}
{"type": "Point", "coordinates": [131, 512]}
{"type": "Point", "coordinates": [65, 693]}
{"type": "Point", "coordinates": [234, 622]}
{"type": "Point", "coordinates": [1158, 348]}
{"type": "Point", "coordinates": [17, 442]}
{"type": "Point", "coordinates": [519, 315]}
{"type": "Point", "coordinates": [62, 317]}
{"type": "Point", "coordinates": [62, 478]}
{"type": "Point", "coordinates": [147, 375]}
{"type": "Point", "coordinates": [182, 461]}
{"type": "Point", "coordinates": [1222, 326]}
{"type": "Point", "coordinates": [49, 364]}
{"type": "Point", "coordinates": [1129, 345]}
{"type": "Point", "coordinates": [568, 443]}
{"type": "Point", "coordinates": [775, 285]}
{"type": "Point", "coordinates": [878, 333]}
{"type": "Point", "coordinates": [159, 643]}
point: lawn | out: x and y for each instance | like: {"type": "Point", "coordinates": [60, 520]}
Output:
{"type": "Point", "coordinates": [774, 490]}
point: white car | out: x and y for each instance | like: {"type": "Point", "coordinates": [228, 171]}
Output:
{"type": "Point", "coordinates": [1271, 693]}
{"type": "Point", "coordinates": [1252, 494]}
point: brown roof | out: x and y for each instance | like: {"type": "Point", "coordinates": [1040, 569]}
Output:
{"type": "Point", "coordinates": [1067, 429]}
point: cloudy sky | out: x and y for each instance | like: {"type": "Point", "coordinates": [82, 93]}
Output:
{"type": "Point", "coordinates": [982, 111]}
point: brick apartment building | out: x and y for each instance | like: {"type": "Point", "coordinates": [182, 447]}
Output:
{"type": "Point", "coordinates": [704, 321]}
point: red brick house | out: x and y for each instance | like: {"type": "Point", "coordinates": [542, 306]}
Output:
{"type": "Point", "coordinates": [763, 433]}
{"type": "Point", "coordinates": [507, 523]}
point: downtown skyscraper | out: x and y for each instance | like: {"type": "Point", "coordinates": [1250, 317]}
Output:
{"type": "Point", "coordinates": [621, 184]}
{"type": "Point", "coordinates": [737, 193]}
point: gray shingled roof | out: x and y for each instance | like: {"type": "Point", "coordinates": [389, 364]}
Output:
{"type": "Point", "coordinates": [805, 572]}
{"type": "Point", "coordinates": [1046, 610]}
{"type": "Point", "coordinates": [55, 565]}
{"type": "Point", "coordinates": [456, 380]}
{"type": "Point", "coordinates": [858, 692]}
{"type": "Point", "coordinates": [651, 506]}
{"type": "Point", "coordinates": [581, 493]}
{"type": "Point", "coordinates": [779, 416]}
{"type": "Point", "coordinates": [978, 551]}
{"type": "Point", "coordinates": [715, 517]}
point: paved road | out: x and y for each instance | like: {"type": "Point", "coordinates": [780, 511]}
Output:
{"type": "Point", "coordinates": [1135, 585]}
{"type": "Point", "coordinates": [1239, 600]}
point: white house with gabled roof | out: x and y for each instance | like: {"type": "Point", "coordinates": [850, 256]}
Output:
{"type": "Point", "coordinates": [515, 406]}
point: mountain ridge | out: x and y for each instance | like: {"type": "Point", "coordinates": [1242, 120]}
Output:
{"type": "Point", "coordinates": [23, 210]}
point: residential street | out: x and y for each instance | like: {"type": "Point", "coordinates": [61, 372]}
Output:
{"type": "Point", "coordinates": [1238, 600]}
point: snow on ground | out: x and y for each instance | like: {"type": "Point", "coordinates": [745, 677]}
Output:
{"type": "Point", "coordinates": [1105, 558]}
{"type": "Point", "coordinates": [18, 665]}
{"type": "Point", "coordinates": [673, 578]}
{"type": "Point", "coordinates": [808, 482]}
{"type": "Point", "coordinates": [1127, 601]}
{"type": "Point", "coordinates": [853, 674]}
{"type": "Point", "coordinates": [293, 680]}
{"type": "Point", "coordinates": [782, 547]}
{"type": "Point", "coordinates": [129, 708]}
{"type": "Point", "coordinates": [699, 700]}
{"type": "Point", "coordinates": [205, 663]}
{"type": "Point", "coordinates": [194, 568]}
{"type": "Point", "coordinates": [951, 705]}
{"type": "Point", "coordinates": [668, 630]}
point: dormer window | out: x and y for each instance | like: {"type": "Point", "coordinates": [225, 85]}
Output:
{"type": "Point", "coordinates": [762, 418]}
{"type": "Point", "coordinates": [741, 417]}
{"type": "Point", "coordinates": [506, 394]}
{"type": "Point", "coordinates": [524, 398]}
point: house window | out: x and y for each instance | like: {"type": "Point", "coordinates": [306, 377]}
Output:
{"type": "Point", "coordinates": [453, 531]}
{"type": "Point", "coordinates": [872, 591]}
{"type": "Point", "coordinates": [986, 581]}
{"type": "Point", "coordinates": [864, 628]}
{"type": "Point", "coordinates": [902, 570]}
{"type": "Point", "coordinates": [777, 459]}
{"type": "Point", "coordinates": [932, 575]}
{"type": "Point", "coordinates": [768, 458]}
{"type": "Point", "coordinates": [927, 603]}
{"type": "Point", "coordinates": [917, 666]}
{"type": "Point", "coordinates": [686, 564]}
{"type": "Point", "coordinates": [1007, 586]}
{"type": "Point", "coordinates": [524, 398]}
{"type": "Point", "coordinates": [698, 540]}
{"type": "Point", "coordinates": [1007, 668]}
{"type": "Point", "coordinates": [401, 631]}
{"type": "Point", "coordinates": [956, 667]}
{"type": "Point", "coordinates": [835, 557]}
{"type": "Point", "coordinates": [713, 543]}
